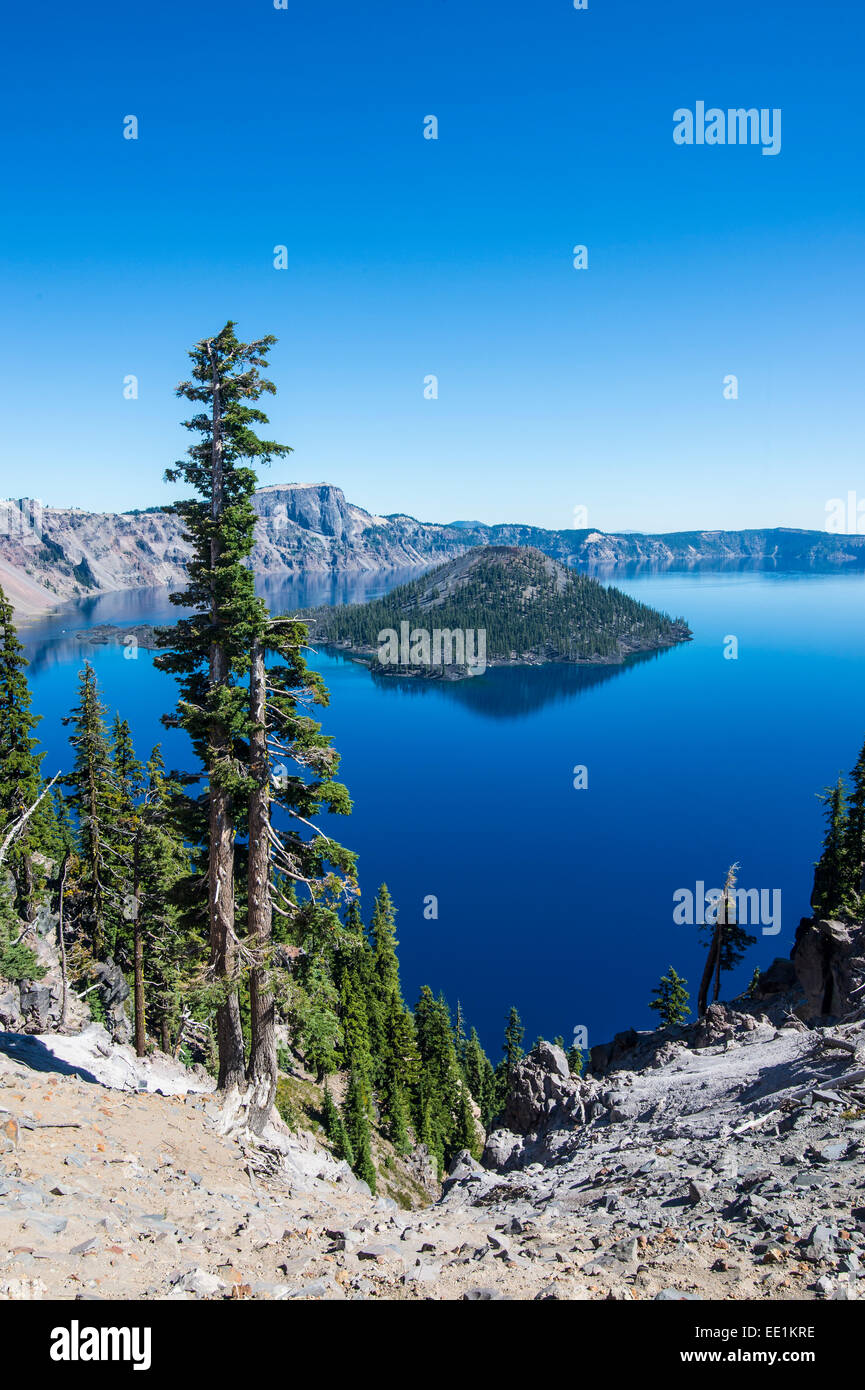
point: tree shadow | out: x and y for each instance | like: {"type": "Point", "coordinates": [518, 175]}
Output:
{"type": "Point", "coordinates": [32, 1052]}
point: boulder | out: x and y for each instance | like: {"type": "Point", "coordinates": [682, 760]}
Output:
{"type": "Point", "coordinates": [780, 978]}
{"type": "Point", "coordinates": [35, 1006]}
{"type": "Point", "coordinates": [113, 992]}
{"type": "Point", "coordinates": [827, 957]}
{"type": "Point", "coordinates": [11, 1018]}
{"type": "Point", "coordinates": [542, 1092]}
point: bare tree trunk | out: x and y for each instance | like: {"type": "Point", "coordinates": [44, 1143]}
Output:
{"type": "Point", "coordinates": [61, 932]}
{"type": "Point", "coordinates": [138, 951]}
{"type": "Point", "coordinates": [18, 825]}
{"type": "Point", "coordinates": [722, 924]}
{"type": "Point", "coordinates": [223, 953]}
{"type": "Point", "coordinates": [262, 1062]}
{"type": "Point", "coordinates": [708, 971]}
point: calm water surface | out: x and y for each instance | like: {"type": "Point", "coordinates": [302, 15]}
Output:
{"type": "Point", "coordinates": [554, 899]}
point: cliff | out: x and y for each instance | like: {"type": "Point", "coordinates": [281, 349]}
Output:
{"type": "Point", "coordinates": [51, 554]}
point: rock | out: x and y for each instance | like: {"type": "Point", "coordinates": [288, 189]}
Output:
{"type": "Point", "coordinates": [780, 978]}
{"type": "Point", "coordinates": [677, 1296]}
{"type": "Point", "coordinates": [423, 1274]}
{"type": "Point", "coordinates": [47, 1225]}
{"type": "Point", "coordinates": [541, 1093]}
{"type": "Point", "coordinates": [35, 1007]}
{"type": "Point", "coordinates": [11, 1018]}
{"type": "Point", "coordinates": [9, 1129]}
{"type": "Point", "coordinates": [423, 1168]}
{"type": "Point", "coordinates": [501, 1148]}
{"type": "Point", "coordinates": [821, 1244]}
{"type": "Point", "coordinates": [481, 1295]}
{"type": "Point", "coordinates": [113, 992]}
{"type": "Point", "coordinates": [19, 1290]}
{"type": "Point", "coordinates": [825, 957]}
{"type": "Point", "coordinates": [87, 1247]}
{"type": "Point", "coordinates": [625, 1250]}
{"type": "Point", "coordinates": [199, 1282]}
{"type": "Point", "coordinates": [833, 1152]}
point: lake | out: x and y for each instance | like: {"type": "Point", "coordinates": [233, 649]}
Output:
{"type": "Point", "coordinates": [555, 899]}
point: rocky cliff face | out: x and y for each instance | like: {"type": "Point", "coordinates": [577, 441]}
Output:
{"type": "Point", "coordinates": [51, 554]}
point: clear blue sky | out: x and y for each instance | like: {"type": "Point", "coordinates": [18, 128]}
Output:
{"type": "Point", "coordinates": [408, 257]}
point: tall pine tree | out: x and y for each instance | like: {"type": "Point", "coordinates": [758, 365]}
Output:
{"type": "Point", "coordinates": [210, 652]}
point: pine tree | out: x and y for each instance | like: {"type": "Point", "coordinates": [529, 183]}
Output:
{"type": "Point", "coordinates": [355, 1032]}
{"type": "Point", "coordinates": [20, 776]}
{"type": "Point", "coordinates": [285, 846]}
{"type": "Point", "coordinates": [832, 872]}
{"type": "Point", "coordinates": [384, 944]}
{"type": "Point", "coordinates": [671, 998]}
{"type": "Point", "coordinates": [91, 786]}
{"type": "Point", "coordinates": [356, 1120]}
{"type": "Point", "coordinates": [211, 651]}
{"type": "Point", "coordinates": [334, 1128]}
{"type": "Point", "coordinates": [122, 871]}
{"type": "Point", "coordinates": [398, 1069]}
{"type": "Point", "coordinates": [398, 1120]}
{"type": "Point", "coordinates": [473, 1066]}
{"type": "Point", "coordinates": [854, 836]}
{"type": "Point", "coordinates": [465, 1133]}
{"type": "Point", "coordinates": [576, 1060]}
{"type": "Point", "coordinates": [441, 1087]}
{"type": "Point", "coordinates": [512, 1047]}
{"type": "Point", "coordinates": [165, 956]}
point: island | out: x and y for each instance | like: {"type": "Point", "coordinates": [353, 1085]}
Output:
{"type": "Point", "coordinates": [494, 606]}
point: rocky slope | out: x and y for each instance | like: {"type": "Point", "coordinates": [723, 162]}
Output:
{"type": "Point", "coordinates": [48, 554]}
{"type": "Point", "coordinates": [721, 1160]}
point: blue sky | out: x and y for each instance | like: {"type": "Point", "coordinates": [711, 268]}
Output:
{"type": "Point", "coordinates": [407, 257]}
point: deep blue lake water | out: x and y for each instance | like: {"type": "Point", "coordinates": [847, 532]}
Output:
{"type": "Point", "coordinates": [556, 899]}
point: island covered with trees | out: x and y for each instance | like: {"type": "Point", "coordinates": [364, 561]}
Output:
{"type": "Point", "coordinates": [494, 606]}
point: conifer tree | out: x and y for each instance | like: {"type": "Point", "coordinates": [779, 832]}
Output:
{"type": "Point", "coordinates": [854, 835]}
{"type": "Point", "coordinates": [334, 1128]}
{"type": "Point", "coordinates": [671, 998]}
{"type": "Point", "coordinates": [210, 652]}
{"type": "Point", "coordinates": [512, 1046]}
{"type": "Point", "coordinates": [384, 944]}
{"type": "Point", "coordinates": [286, 846]}
{"type": "Point", "coordinates": [91, 798]}
{"type": "Point", "coordinates": [831, 875]}
{"type": "Point", "coordinates": [473, 1066]}
{"type": "Point", "coordinates": [356, 1120]}
{"type": "Point", "coordinates": [355, 1032]}
{"type": "Point", "coordinates": [20, 776]}
{"type": "Point", "coordinates": [165, 957]}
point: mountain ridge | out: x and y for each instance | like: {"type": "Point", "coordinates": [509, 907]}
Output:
{"type": "Point", "coordinates": [49, 555]}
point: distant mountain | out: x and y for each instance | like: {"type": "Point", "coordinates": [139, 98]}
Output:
{"type": "Point", "coordinates": [495, 606]}
{"type": "Point", "coordinates": [51, 554]}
